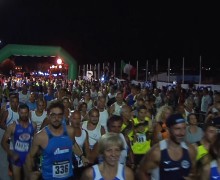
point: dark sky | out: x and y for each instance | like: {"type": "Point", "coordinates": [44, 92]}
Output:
{"type": "Point", "coordinates": [93, 31]}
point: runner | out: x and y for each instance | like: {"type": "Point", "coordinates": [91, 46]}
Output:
{"type": "Point", "coordinates": [21, 133]}
{"type": "Point", "coordinates": [56, 141]}
{"type": "Point", "coordinates": [171, 158]}
{"type": "Point", "coordinates": [110, 147]}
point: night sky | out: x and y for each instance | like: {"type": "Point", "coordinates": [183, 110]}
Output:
{"type": "Point", "coordinates": [93, 31]}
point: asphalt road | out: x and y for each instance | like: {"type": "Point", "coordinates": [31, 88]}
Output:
{"type": "Point", "coordinates": [3, 162]}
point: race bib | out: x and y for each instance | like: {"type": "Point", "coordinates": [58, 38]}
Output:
{"type": "Point", "coordinates": [61, 169]}
{"type": "Point", "coordinates": [79, 161]}
{"type": "Point", "coordinates": [141, 138]}
{"type": "Point", "coordinates": [21, 146]}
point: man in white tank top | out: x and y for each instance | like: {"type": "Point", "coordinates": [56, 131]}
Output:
{"type": "Point", "coordinates": [82, 139]}
{"type": "Point", "coordinates": [23, 94]}
{"type": "Point", "coordinates": [39, 114]}
{"type": "Point", "coordinates": [95, 131]}
{"type": "Point", "coordinates": [103, 113]}
{"type": "Point", "coordinates": [115, 108]}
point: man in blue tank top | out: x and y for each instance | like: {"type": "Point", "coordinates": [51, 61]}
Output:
{"type": "Point", "coordinates": [56, 142]}
{"type": "Point", "coordinates": [21, 132]}
{"type": "Point", "coordinates": [171, 158]}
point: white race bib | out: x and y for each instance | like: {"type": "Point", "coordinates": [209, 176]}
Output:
{"type": "Point", "coordinates": [141, 138]}
{"type": "Point", "coordinates": [21, 146]}
{"type": "Point", "coordinates": [61, 169]}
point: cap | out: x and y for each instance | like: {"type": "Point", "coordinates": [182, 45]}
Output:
{"type": "Point", "coordinates": [175, 119]}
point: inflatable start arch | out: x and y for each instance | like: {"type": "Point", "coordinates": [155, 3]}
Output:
{"type": "Point", "coordinates": [44, 51]}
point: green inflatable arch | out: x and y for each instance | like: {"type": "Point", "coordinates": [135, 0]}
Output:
{"type": "Point", "coordinates": [34, 50]}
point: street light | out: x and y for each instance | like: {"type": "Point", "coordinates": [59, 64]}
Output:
{"type": "Point", "coordinates": [59, 61]}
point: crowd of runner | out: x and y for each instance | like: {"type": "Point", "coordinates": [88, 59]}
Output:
{"type": "Point", "coordinates": [91, 130]}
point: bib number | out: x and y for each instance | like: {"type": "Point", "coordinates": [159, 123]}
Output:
{"type": "Point", "coordinates": [21, 146]}
{"type": "Point", "coordinates": [141, 138]}
{"type": "Point", "coordinates": [61, 169]}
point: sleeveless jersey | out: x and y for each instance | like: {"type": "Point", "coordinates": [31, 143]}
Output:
{"type": "Point", "coordinates": [57, 156]}
{"type": "Point", "coordinates": [103, 117]}
{"type": "Point", "coordinates": [117, 110]}
{"type": "Point", "coordinates": [94, 135]}
{"type": "Point", "coordinates": [170, 169]}
{"type": "Point", "coordinates": [22, 141]}
{"type": "Point", "coordinates": [119, 176]}
{"type": "Point", "coordinates": [12, 116]}
{"type": "Point", "coordinates": [80, 141]}
{"type": "Point", "coordinates": [38, 119]}
{"type": "Point", "coordinates": [23, 98]}
{"type": "Point", "coordinates": [214, 173]}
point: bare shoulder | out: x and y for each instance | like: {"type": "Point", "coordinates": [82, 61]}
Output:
{"type": "Point", "coordinates": [87, 174]}
{"type": "Point", "coordinates": [205, 172]}
{"type": "Point", "coordinates": [155, 151]}
{"type": "Point", "coordinates": [129, 174]}
{"type": "Point", "coordinates": [41, 137]}
{"type": "Point", "coordinates": [11, 127]}
{"type": "Point", "coordinates": [70, 131]}
{"type": "Point", "coordinates": [153, 155]}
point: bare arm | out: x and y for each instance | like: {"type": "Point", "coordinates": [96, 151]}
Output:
{"type": "Point", "coordinates": [45, 123]}
{"type": "Point", "coordinates": [149, 162]}
{"type": "Point", "coordinates": [192, 154]}
{"type": "Point", "coordinates": [87, 174]}
{"type": "Point", "coordinates": [35, 127]}
{"type": "Point", "coordinates": [3, 118]}
{"type": "Point", "coordinates": [130, 154]}
{"type": "Point", "coordinates": [205, 173]}
{"type": "Point", "coordinates": [129, 174]}
{"type": "Point", "coordinates": [156, 131]}
{"type": "Point", "coordinates": [102, 130]}
{"type": "Point", "coordinates": [4, 142]}
{"type": "Point", "coordinates": [86, 145]}
{"type": "Point", "coordinates": [35, 147]}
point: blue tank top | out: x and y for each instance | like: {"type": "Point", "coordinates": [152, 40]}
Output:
{"type": "Point", "coordinates": [57, 156]}
{"type": "Point", "coordinates": [214, 174]}
{"type": "Point", "coordinates": [22, 141]}
{"type": "Point", "coordinates": [170, 169]}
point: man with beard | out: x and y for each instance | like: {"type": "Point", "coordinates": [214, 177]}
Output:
{"type": "Point", "coordinates": [95, 131]}
{"type": "Point", "coordinates": [171, 158]}
{"type": "Point", "coordinates": [56, 142]}
{"type": "Point", "coordinates": [21, 132]}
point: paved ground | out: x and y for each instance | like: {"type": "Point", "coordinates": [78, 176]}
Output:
{"type": "Point", "coordinates": [3, 161]}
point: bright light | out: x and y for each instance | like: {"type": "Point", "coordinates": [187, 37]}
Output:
{"type": "Point", "coordinates": [59, 61]}
{"type": "Point", "coordinates": [60, 66]}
